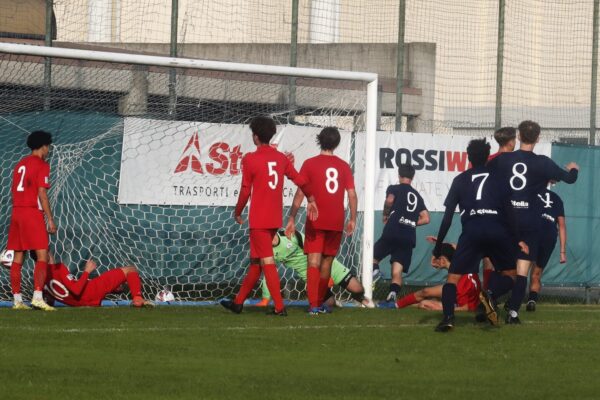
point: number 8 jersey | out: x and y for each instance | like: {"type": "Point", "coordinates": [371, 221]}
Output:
{"type": "Point", "coordinates": [328, 179]}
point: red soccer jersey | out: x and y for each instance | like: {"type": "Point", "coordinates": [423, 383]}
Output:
{"type": "Point", "coordinates": [30, 174]}
{"type": "Point", "coordinates": [467, 291]}
{"type": "Point", "coordinates": [328, 179]}
{"type": "Point", "coordinates": [492, 156]}
{"type": "Point", "coordinates": [262, 176]}
{"type": "Point", "coordinates": [63, 286]}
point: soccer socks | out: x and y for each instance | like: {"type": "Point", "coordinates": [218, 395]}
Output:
{"type": "Point", "coordinates": [135, 284]}
{"type": "Point", "coordinates": [448, 299]}
{"type": "Point", "coordinates": [39, 275]}
{"type": "Point", "coordinates": [248, 283]}
{"type": "Point", "coordinates": [274, 285]}
{"type": "Point", "coordinates": [518, 293]}
{"type": "Point", "coordinates": [499, 284]}
{"type": "Point", "coordinates": [533, 296]}
{"type": "Point", "coordinates": [15, 278]}
{"type": "Point", "coordinates": [406, 301]}
{"type": "Point", "coordinates": [486, 278]}
{"type": "Point", "coordinates": [312, 286]}
{"type": "Point", "coordinates": [394, 287]}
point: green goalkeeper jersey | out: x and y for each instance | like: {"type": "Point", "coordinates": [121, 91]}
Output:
{"type": "Point", "coordinates": [291, 254]}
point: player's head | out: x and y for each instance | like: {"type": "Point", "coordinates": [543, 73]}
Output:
{"type": "Point", "coordinates": [263, 129]}
{"type": "Point", "coordinates": [40, 140]}
{"type": "Point", "coordinates": [446, 257]}
{"type": "Point", "coordinates": [506, 137]}
{"type": "Point", "coordinates": [406, 171]}
{"type": "Point", "coordinates": [478, 151]}
{"type": "Point", "coordinates": [529, 132]}
{"type": "Point", "coordinates": [329, 138]}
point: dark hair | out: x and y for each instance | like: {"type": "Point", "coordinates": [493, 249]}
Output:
{"type": "Point", "coordinates": [263, 127]}
{"type": "Point", "coordinates": [38, 139]}
{"type": "Point", "coordinates": [478, 151]}
{"type": "Point", "coordinates": [505, 135]}
{"type": "Point", "coordinates": [447, 251]}
{"type": "Point", "coordinates": [406, 171]}
{"type": "Point", "coordinates": [329, 138]}
{"type": "Point", "coordinates": [529, 132]}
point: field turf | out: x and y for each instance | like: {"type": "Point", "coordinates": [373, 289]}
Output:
{"type": "Point", "coordinates": [209, 353]}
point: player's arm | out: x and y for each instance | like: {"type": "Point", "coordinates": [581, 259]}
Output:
{"type": "Point", "coordinates": [245, 191]}
{"type": "Point", "coordinates": [559, 174]}
{"type": "Point", "coordinates": [76, 287]}
{"type": "Point", "coordinates": [302, 182]}
{"type": "Point", "coordinates": [45, 203]}
{"type": "Point", "coordinates": [353, 204]}
{"type": "Point", "coordinates": [451, 202]}
{"type": "Point", "coordinates": [423, 218]}
{"type": "Point", "coordinates": [290, 227]}
{"type": "Point", "coordinates": [562, 236]}
{"type": "Point", "coordinates": [387, 207]}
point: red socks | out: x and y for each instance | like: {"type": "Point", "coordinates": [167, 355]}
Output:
{"type": "Point", "coordinates": [15, 277]}
{"type": "Point", "coordinates": [39, 275]}
{"type": "Point", "coordinates": [486, 278]}
{"type": "Point", "coordinates": [248, 283]}
{"type": "Point", "coordinates": [274, 285]}
{"type": "Point", "coordinates": [406, 301]}
{"type": "Point", "coordinates": [312, 286]}
{"type": "Point", "coordinates": [135, 284]}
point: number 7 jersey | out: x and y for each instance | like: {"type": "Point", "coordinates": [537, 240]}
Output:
{"type": "Point", "coordinates": [328, 179]}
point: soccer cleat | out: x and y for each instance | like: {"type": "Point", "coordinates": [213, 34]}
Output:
{"type": "Point", "coordinates": [530, 306]}
{"type": "Point", "coordinates": [19, 305]}
{"type": "Point", "coordinates": [263, 302]}
{"type": "Point", "coordinates": [391, 297]}
{"type": "Point", "coordinates": [480, 315]}
{"type": "Point", "coordinates": [325, 310]}
{"type": "Point", "coordinates": [41, 305]}
{"type": "Point", "coordinates": [282, 313]}
{"type": "Point", "coordinates": [314, 311]}
{"type": "Point", "coordinates": [231, 306]}
{"type": "Point", "coordinates": [447, 324]}
{"type": "Point", "coordinates": [386, 304]}
{"type": "Point", "coordinates": [490, 306]}
{"type": "Point", "coordinates": [140, 302]}
{"type": "Point", "coordinates": [512, 318]}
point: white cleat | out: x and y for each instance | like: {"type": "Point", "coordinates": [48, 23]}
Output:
{"type": "Point", "coordinates": [368, 303]}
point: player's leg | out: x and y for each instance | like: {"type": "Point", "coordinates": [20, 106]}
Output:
{"type": "Point", "coordinates": [523, 266]}
{"type": "Point", "coordinates": [488, 269]}
{"type": "Point", "coordinates": [420, 295]}
{"type": "Point", "coordinates": [331, 246]}
{"type": "Point", "coordinates": [265, 294]}
{"type": "Point", "coordinates": [314, 244]}
{"type": "Point", "coordinates": [252, 276]}
{"type": "Point", "coordinates": [380, 251]}
{"type": "Point", "coordinates": [135, 287]}
{"type": "Point", "coordinates": [535, 286]}
{"type": "Point", "coordinates": [545, 249]}
{"type": "Point", "coordinates": [448, 302]}
{"type": "Point", "coordinates": [431, 305]}
{"type": "Point", "coordinates": [16, 238]}
{"type": "Point", "coordinates": [401, 258]}
{"type": "Point", "coordinates": [269, 268]}
{"type": "Point", "coordinates": [15, 281]}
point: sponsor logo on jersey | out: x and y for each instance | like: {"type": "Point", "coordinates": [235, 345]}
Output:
{"type": "Point", "coordinates": [421, 159]}
{"type": "Point", "coordinates": [520, 204]}
{"type": "Point", "coordinates": [549, 217]}
{"type": "Point", "coordinates": [408, 222]}
{"type": "Point", "coordinates": [546, 200]}
{"type": "Point", "coordinates": [483, 211]}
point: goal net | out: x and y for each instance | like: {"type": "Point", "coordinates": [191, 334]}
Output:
{"type": "Point", "coordinates": [146, 160]}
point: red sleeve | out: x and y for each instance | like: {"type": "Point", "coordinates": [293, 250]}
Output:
{"type": "Point", "coordinates": [43, 178]}
{"type": "Point", "coordinates": [246, 187]}
{"type": "Point", "coordinates": [298, 178]}
{"type": "Point", "coordinates": [75, 286]}
{"type": "Point", "coordinates": [349, 178]}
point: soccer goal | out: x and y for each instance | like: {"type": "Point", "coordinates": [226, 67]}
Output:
{"type": "Point", "coordinates": [146, 164]}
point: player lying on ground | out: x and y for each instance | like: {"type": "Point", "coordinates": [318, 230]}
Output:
{"type": "Point", "coordinates": [27, 231]}
{"type": "Point", "coordinates": [526, 174]}
{"type": "Point", "coordinates": [329, 179]}
{"type": "Point", "coordinates": [290, 253]}
{"type": "Point", "coordinates": [553, 225]}
{"type": "Point", "coordinates": [403, 210]}
{"type": "Point", "coordinates": [62, 286]}
{"type": "Point", "coordinates": [467, 288]}
{"type": "Point", "coordinates": [262, 177]}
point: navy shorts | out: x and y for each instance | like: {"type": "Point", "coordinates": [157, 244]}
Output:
{"type": "Point", "coordinates": [399, 252]}
{"type": "Point", "coordinates": [532, 239]}
{"type": "Point", "coordinates": [545, 249]}
{"type": "Point", "coordinates": [484, 240]}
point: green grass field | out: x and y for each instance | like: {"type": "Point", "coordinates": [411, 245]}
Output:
{"type": "Point", "coordinates": [209, 353]}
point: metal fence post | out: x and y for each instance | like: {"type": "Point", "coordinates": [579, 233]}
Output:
{"type": "Point", "coordinates": [499, 64]}
{"type": "Point", "coordinates": [173, 53]}
{"type": "Point", "coordinates": [594, 88]}
{"type": "Point", "coordinates": [400, 64]}
{"type": "Point", "coordinates": [48, 60]}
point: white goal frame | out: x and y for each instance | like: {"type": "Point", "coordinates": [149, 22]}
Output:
{"type": "Point", "coordinates": [371, 116]}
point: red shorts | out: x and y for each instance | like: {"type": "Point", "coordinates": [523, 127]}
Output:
{"type": "Point", "coordinates": [96, 289]}
{"type": "Point", "coordinates": [324, 242]}
{"type": "Point", "coordinates": [261, 242]}
{"type": "Point", "coordinates": [27, 230]}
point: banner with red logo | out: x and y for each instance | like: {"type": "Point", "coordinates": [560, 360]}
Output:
{"type": "Point", "coordinates": [437, 159]}
{"type": "Point", "coordinates": [193, 163]}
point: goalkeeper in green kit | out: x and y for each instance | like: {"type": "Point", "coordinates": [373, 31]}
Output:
{"type": "Point", "coordinates": [290, 253]}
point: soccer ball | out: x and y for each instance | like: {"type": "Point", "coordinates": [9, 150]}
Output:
{"type": "Point", "coordinates": [165, 296]}
{"type": "Point", "coordinates": [7, 257]}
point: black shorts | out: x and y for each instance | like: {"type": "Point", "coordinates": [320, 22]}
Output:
{"type": "Point", "coordinates": [532, 239]}
{"type": "Point", "coordinates": [484, 240]}
{"type": "Point", "coordinates": [399, 252]}
{"type": "Point", "coordinates": [545, 248]}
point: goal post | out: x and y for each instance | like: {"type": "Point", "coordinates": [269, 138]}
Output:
{"type": "Point", "coordinates": [149, 61]}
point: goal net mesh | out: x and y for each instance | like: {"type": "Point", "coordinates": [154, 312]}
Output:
{"type": "Point", "coordinates": [143, 177]}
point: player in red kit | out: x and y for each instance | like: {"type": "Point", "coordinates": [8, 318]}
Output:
{"type": "Point", "coordinates": [329, 178]}
{"type": "Point", "coordinates": [262, 176]}
{"type": "Point", "coordinates": [62, 286]}
{"type": "Point", "coordinates": [27, 231]}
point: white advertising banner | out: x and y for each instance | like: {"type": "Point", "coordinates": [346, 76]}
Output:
{"type": "Point", "coordinates": [437, 158]}
{"type": "Point", "coordinates": [193, 163]}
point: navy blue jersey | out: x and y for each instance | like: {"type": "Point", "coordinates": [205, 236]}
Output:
{"type": "Point", "coordinates": [402, 222]}
{"type": "Point", "coordinates": [479, 195]}
{"type": "Point", "coordinates": [551, 207]}
{"type": "Point", "coordinates": [526, 174]}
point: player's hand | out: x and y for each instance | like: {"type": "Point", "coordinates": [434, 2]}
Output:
{"type": "Point", "coordinates": [385, 219]}
{"type": "Point", "coordinates": [51, 227]}
{"type": "Point", "coordinates": [90, 266]}
{"type": "Point", "coordinates": [290, 228]}
{"type": "Point", "coordinates": [572, 165]}
{"type": "Point", "coordinates": [563, 257]}
{"type": "Point", "coordinates": [524, 247]}
{"type": "Point", "coordinates": [312, 211]}
{"type": "Point", "coordinates": [350, 227]}
{"type": "Point", "coordinates": [431, 239]}
{"type": "Point", "coordinates": [435, 262]}
{"type": "Point", "coordinates": [239, 219]}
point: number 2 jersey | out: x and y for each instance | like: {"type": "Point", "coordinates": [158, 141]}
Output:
{"type": "Point", "coordinates": [30, 174]}
{"type": "Point", "coordinates": [404, 215]}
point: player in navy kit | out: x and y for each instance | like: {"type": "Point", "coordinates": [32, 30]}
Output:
{"type": "Point", "coordinates": [403, 211]}
{"type": "Point", "coordinates": [553, 225]}
{"type": "Point", "coordinates": [526, 174]}
{"type": "Point", "coordinates": [488, 226]}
